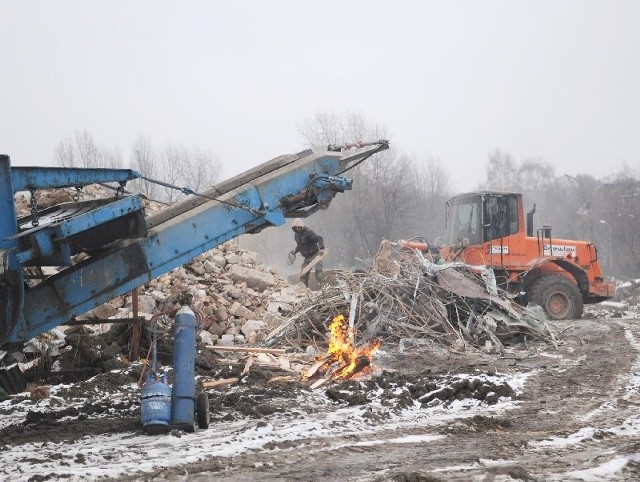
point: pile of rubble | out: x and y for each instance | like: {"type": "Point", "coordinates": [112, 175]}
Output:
{"type": "Point", "coordinates": [625, 304]}
{"type": "Point", "coordinates": [406, 297]}
{"type": "Point", "coordinates": [237, 299]}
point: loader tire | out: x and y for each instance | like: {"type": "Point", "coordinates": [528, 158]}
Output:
{"type": "Point", "coordinates": [559, 297]}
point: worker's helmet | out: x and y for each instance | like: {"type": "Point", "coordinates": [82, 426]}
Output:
{"type": "Point", "coordinates": [297, 223]}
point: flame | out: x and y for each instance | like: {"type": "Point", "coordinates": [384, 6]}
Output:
{"type": "Point", "coordinates": [350, 361]}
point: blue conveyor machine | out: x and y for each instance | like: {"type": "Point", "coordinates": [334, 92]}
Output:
{"type": "Point", "coordinates": [126, 249]}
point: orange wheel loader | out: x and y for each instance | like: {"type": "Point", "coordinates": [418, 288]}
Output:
{"type": "Point", "coordinates": [489, 228]}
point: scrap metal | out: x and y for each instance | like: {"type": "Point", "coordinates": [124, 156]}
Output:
{"type": "Point", "coordinates": [407, 295]}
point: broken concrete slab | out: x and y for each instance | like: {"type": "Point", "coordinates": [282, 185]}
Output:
{"type": "Point", "coordinates": [253, 326]}
{"type": "Point", "coordinates": [255, 279]}
{"type": "Point", "coordinates": [236, 309]}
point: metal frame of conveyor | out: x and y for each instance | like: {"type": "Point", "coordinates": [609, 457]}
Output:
{"type": "Point", "coordinates": [50, 237]}
{"type": "Point", "coordinates": [288, 186]}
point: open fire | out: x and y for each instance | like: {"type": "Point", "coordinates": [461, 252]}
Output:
{"type": "Point", "coordinates": [343, 358]}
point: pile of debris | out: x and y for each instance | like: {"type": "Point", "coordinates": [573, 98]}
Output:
{"type": "Point", "coordinates": [625, 303]}
{"type": "Point", "coordinates": [236, 298]}
{"type": "Point", "coordinates": [407, 297]}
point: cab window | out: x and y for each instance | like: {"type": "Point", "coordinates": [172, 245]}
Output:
{"type": "Point", "coordinates": [465, 220]}
{"type": "Point", "coordinates": [500, 217]}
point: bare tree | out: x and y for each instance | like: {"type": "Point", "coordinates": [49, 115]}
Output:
{"type": "Point", "coordinates": [145, 161]}
{"type": "Point", "coordinates": [112, 158]}
{"type": "Point", "coordinates": [82, 151]}
{"type": "Point", "coordinates": [618, 221]}
{"type": "Point", "coordinates": [321, 130]}
{"type": "Point", "coordinates": [501, 171]}
{"type": "Point", "coordinates": [171, 160]}
{"type": "Point", "coordinates": [383, 204]}
{"type": "Point", "coordinates": [194, 168]}
{"type": "Point", "coordinates": [201, 169]}
{"type": "Point", "coordinates": [432, 188]}
{"type": "Point", "coordinates": [534, 175]}
{"type": "Point", "coordinates": [65, 153]}
{"type": "Point", "coordinates": [88, 151]}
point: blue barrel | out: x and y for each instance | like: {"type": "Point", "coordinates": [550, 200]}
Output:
{"type": "Point", "coordinates": [184, 367]}
{"type": "Point", "coordinates": [155, 405]}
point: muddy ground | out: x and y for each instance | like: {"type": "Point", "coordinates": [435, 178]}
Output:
{"type": "Point", "coordinates": [531, 413]}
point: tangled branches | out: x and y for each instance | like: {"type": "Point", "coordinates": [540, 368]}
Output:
{"type": "Point", "coordinates": [407, 296]}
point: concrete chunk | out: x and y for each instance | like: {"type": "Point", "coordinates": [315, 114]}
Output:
{"type": "Point", "coordinates": [219, 260]}
{"type": "Point", "coordinates": [253, 326]}
{"type": "Point", "coordinates": [255, 279]}
{"type": "Point", "coordinates": [146, 304]}
{"type": "Point", "coordinates": [221, 314]}
{"type": "Point", "coordinates": [105, 311]}
{"type": "Point", "coordinates": [249, 258]}
{"type": "Point", "coordinates": [226, 340]}
{"type": "Point", "coordinates": [210, 267]}
{"type": "Point", "coordinates": [232, 258]}
{"type": "Point", "coordinates": [236, 309]}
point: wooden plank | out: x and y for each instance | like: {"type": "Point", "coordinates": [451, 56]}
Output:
{"type": "Point", "coordinates": [327, 376]}
{"type": "Point", "coordinates": [316, 366]}
{"type": "Point", "coordinates": [319, 383]}
{"type": "Point", "coordinates": [352, 317]}
{"type": "Point", "coordinates": [248, 349]}
{"type": "Point", "coordinates": [282, 379]}
{"type": "Point", "coordinates": [319, 257]}
{"type": "Point", "coordinates": [247, 365]}
{"type": "Point", "coordinates": [219, 383]}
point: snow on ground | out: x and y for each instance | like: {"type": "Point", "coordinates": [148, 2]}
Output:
{"type": "Point", "coordinates": [115, 455]}
{"type": "Point", "coordinates": [595, 474]}
{"type": "Point", "coordinates": [629, 427]}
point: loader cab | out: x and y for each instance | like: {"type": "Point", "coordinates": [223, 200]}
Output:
{"type": "Point", "coordinates": [482, 217]}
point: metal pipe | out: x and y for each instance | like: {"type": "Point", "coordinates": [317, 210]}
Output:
{"type": "Point", "coordinates": [135, 330]}
{"type": "Point", "coordinates": [103, 321]}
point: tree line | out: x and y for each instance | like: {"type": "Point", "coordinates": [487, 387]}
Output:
{"type": "Point", "coordinates": [174, 164]}
{"type": "Point", "coordinates": [396, 195]}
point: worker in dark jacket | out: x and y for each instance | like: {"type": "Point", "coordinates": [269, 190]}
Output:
{"type": "Point", "coordinates": [309, 245]}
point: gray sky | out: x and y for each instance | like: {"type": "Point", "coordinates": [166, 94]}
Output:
{"type": "Point", "coordinates": [555, 80]}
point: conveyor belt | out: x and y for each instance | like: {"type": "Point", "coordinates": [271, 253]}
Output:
{"type": "Point", "coordinates": [61, 212]}
{"type": "Point", "coordinates": [225, 186]}
{"type": "Point", "coordinates": [69, 228]}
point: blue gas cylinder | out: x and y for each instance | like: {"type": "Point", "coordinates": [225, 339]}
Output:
{"type": "Point", "coordinates": [155, 405]}
{"type": "Point", "coordinates": [184, 366]}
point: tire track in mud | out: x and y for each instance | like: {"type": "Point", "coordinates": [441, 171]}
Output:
{"type": "Point", "coordinates": [633, 385]}
{"type": "Point", "coordinates": [627, 382]}
{"type": "Point", "coordinates": [598, 423]}
{"type": "Point", "coordinates": [566, 423]}
{"type": "Point", "coordinates": [576, 408]}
